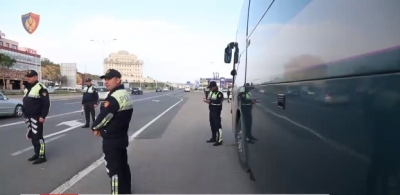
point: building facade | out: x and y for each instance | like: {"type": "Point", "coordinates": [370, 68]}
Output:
{"type": "Point", "coordinates": [222, 82]}
{"type": "Point", "coordinates": [130, 67]}
{"type": "Point", "coordinates": [26, 59]}
{"type": "Point", "coordinates": [69, 71]}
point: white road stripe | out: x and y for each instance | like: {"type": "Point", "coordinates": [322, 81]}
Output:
{"type": "Point", "coordinates": [30, 148]}
{"type": "Point", "coordinates": [58, 115]}
{"type": "Point", "coordinates": [74, 103]}
{"type": "Point", "coordinates": [64, 187]}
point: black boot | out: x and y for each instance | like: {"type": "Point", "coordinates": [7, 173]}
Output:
{"type": "Point", "coordinates": [217, 143]}
{"type": "Point", "coordinates": [86, 125]}
{"type": "Point", "coordinates": [211, 140]}
{"type": "Point", "coordinates": [34, 157]}
{"type": "Point", "coordinates": [39, 161]}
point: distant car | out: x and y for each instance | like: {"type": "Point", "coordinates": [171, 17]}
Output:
{"type": "Point", "coordinates": [158, 89]}
{"type": "Point", "coordinates": [137, 91]}
{"type": "Point", "coordinates": [187, 89]}
{"type": "Point", "coordinates": [10, 107]}
{"type": "Point", "coordinates": [103, 93]}
{"type": "Point", "coordinates": [165, 89]}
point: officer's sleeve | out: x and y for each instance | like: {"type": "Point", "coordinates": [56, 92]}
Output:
{"type": "Point", "coordinates": [96, 95]}
{"type": "Point", "coordinates": [111, 107]}
{"type": "Point", "coordinates": [44, 97]}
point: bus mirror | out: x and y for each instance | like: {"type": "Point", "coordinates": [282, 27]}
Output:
{"type": "Point", "coordinates": [228, 55]}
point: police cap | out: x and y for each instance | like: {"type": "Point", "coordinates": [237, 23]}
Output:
{"type": "Point", "coordinates": [111, 73]}
{"type": "Point", "coordinates": [212, 84]}
{"type": "Point", "coordinates": [31, 73]}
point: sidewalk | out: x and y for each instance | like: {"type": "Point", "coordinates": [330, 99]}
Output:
{"type": "Point", "coordinates": [178, 160]}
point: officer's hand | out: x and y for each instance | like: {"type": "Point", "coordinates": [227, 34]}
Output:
{"type": "Point", "coordinates": [96, 133]}
{"type": "Point", "coordinates": [95, 105]}
{"type": "Point", "coordinates": [41, 120]}
{"type": "Point", "coordinates": [26, 120]}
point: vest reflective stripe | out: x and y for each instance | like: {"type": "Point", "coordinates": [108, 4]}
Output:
{"type": "Point", "coordinates": [90, 90]}
{"type": "Point", "coordinates": [34, 93]}
{"type": "Point", "coordinates": [214, 96]}
{"type": "Point", "coordinates": [124, 99]}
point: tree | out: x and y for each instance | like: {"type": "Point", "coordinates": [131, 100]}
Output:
{"type": "Point", "coordinates": [6, 62]}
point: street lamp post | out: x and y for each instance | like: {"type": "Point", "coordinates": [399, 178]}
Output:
{"type": "Point", "coordinates": [104, 42]}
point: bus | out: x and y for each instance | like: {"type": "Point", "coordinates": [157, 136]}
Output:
{"type": "Point", "coordinates": [316, 95]}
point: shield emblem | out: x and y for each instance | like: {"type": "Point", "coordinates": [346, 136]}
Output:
{"type": "Point", "coordinates": [30, 22]}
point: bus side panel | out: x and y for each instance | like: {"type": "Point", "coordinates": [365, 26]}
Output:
{"type": "Point", "coordinates": [239, 79]}
{"type": "Point", "coordinates": [337, 64]}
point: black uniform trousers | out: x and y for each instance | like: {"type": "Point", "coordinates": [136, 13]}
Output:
{"type": "Point", "coordinates": [228, 93]}
{"type": "Point", "coordinates": [116, 160]}
{"type": "Point", "coordinates": [215, 123]}
{"type": "Point", "coordinates": [35, 133]}
{"type": "Point", "coordinates": [88, 107]}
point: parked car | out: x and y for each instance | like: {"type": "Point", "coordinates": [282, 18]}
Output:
{"type": "Point", "coordinates": [165, 89]}
{"type": "Point", "coordinates": [137, 91]}
{"type": "Point", "coordinates": [158, 89]}
{"type": "Point", "coordinates": [103, 93]}
{"type": "Point", "coordinates": [10, 107]}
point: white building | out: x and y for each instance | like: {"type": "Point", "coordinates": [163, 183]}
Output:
{"type": "Point", "coordinates": [130, 67]}
{"type": "Point", "coordinates": [69, 70]}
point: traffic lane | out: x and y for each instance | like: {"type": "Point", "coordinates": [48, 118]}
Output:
{"type": "Point", "coordinates": [13, 136]}
{"type": "Point", "coordinates": [72, 106]}
{"type": "Point", "coordinates": [172, 157]}
{"type": "Point", "coordinates": [68, 154]}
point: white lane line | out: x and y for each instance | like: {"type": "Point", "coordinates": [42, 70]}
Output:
{"type": "Point", "coordinates": [74, 103]}
{"type": "Point", "coordinates": [68, 184]}
{"type": "Point", "coordinates": [58, 115]}
{"type": "Point", "coordinates": [30, 148]}
{"type": "Point", "coordinates": [63, 131]}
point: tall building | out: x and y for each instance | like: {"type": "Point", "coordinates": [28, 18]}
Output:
{"type": "Point", "coordinates": [69, 70]}
{"type": "Point", "coordinates": [127, 64]}
{"type": "Point", "coordinates": [26, 59]}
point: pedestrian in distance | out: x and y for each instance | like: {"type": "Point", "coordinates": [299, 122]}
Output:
{"type": "Point", "coordinates": [112, 124]}
{"type": "Point", "coordinates": [214, 101]}
{"type": "Point", "coordinates": [36, 106]}
{"type": "Point", "coordinates": [90, 100]}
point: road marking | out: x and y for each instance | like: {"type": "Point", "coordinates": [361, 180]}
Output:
{"type": "Point", "coordinates": [74, 103]}
{"type": "Point", "coordinates": [68, 184]}
{"type": "Point", "coordinates": [31, 147]}
{"type": "Point", "coordinates": [63, 131]}
{"type": "Point", "coordinates": [71, 123]}
{"type": "Point", "coordinates": [57, 115]}
{"type": "Point", "coordinates": [155, 100]}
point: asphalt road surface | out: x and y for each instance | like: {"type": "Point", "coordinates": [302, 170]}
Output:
{"type": "Point", "coordinates": [167, 154]}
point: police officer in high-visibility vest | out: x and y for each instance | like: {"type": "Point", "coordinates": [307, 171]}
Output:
{"type": "Point", "coordinates": [206, 92]}
{"type": "Point", "coordinates": [113, 124]}
{"type": "Point", "coordinates": [36, 106]}
{"type": "Point", "coordinates": [246, 103]}
{"type": "Point", "coordinates": [89, 101]}
{"type": "Point", "coordinates": [214, 100]}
